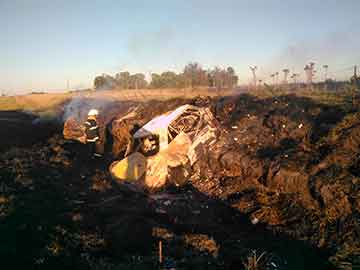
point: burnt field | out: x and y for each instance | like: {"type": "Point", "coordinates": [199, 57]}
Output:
{"type": "Point", "coordinates": [280, 186]}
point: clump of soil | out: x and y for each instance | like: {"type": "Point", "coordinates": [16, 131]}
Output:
{"type": "Point", "coordinates": [282, 179]}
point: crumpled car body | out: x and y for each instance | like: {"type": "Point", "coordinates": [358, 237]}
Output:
{"type": "Point", "coordinates": [169, 142]}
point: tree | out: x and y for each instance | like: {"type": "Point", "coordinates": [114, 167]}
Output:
{"type": "Point", "coordinates": [137, 81]}
{"type": "Point", "coordinates": [99, 82]}
{"type": "Point", "coordinates": [155, 81]}
{"type": "Point", "coordinates": [167, 79]}
{"type": "Point", "coordinates": [217, 77]}
{"type": "Point", "coordinates": [232, 79]}
{"type": "Point", "coordinates": [286, 73]}
{"type": "Point", "coordinates": [309, 73]}
{"type": "Point", "coordinates": [221, 78]}
{"type": "Point", "coordinates": [195, 76]}
{"type": "Point", "coordinates": [104, 82]}
{"type": "Point", "coordinates": [123, 80]}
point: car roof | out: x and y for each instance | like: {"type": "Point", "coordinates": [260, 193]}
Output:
{"type": "Point", "coordinates": [162, 121]}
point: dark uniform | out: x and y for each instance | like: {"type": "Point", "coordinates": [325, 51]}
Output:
{"type": "Point", "coordinates": [92, 135]}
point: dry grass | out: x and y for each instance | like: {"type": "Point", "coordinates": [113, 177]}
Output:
{"type": "Point", "coordinates": [48, 102]}
{"type": "Point", "coordinates": [37, 103]}
{"type": "Point", "coordinates": [159, 94]}
{"type": "Point", "coordinates": [255, 261]}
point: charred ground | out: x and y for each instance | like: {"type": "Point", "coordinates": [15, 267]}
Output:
{"type": "Point", "coordinates": [288, 163]}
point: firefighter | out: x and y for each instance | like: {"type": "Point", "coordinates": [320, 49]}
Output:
{"type": "Point", "coordinates": [92, 132]}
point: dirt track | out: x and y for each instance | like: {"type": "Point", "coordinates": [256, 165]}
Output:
{"type": "Point", "coordinates": [288, 162]}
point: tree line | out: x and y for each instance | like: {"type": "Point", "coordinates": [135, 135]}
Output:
{"type": "Point", "coordinates": [193, 75]}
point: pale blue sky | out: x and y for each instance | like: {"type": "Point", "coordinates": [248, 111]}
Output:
{"type": "Point", "coordinates": [45, 43]}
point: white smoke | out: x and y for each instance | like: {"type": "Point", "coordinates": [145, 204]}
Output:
{"type": "Point", "coordinates": [79, 107]}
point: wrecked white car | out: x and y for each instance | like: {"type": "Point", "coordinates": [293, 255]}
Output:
{"type": "Point", "coordinates": [165, 147]}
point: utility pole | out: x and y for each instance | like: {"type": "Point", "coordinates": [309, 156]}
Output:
{"type": "Point", "coordinates": [253, 70]}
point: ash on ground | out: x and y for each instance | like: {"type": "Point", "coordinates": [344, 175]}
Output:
{"type": "Point", "coordinates": [280, 183]}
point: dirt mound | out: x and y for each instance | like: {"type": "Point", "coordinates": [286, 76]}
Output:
{"type": "Point", "coordinates": [289, 155]}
